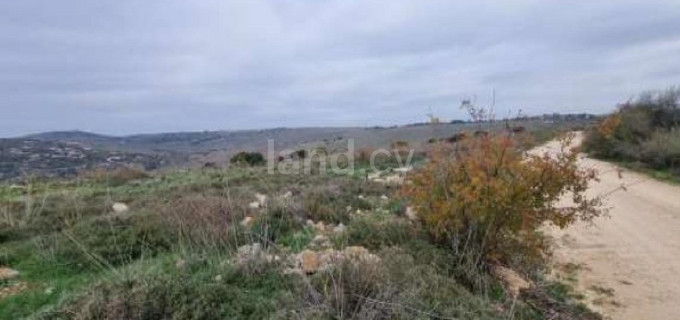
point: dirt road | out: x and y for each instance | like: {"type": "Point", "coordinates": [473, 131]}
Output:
{"type": "Point", "coordinates": [628, 263]}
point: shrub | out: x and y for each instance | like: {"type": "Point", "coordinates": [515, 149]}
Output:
{"type": "Point", "coordinates": [486, 201]}
{"type": "Point", "coordinates": [200, 221]}
{"type": "Point", "coordinates": [248, 158]}
{"type": "Point", "coordinates": [172, 295]}
{"type": "Point", "coordinates": [643, 131]}
{"type": "Point", "coordinates": [399, 287]}
{"type": "Point", "coordinates": [115, 177]}
{"type": "Point", "coordinates": [399, 144]}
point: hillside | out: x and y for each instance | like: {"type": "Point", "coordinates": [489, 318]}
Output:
{"type": "Point", "coordinates": [22, 158]}
{"type": "Point", "coordinates": [239, 242]}
{"type": "Point", "coordinates": [63, 153]}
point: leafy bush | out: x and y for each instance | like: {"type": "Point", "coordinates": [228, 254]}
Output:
{"type": "Point", "coordinates": [643, 131]}
{"type": "Point", "coordinates": [486, 201]}
{"type": "Point", "coordinates": [200, 221]}
{"type": "Point", "coordinates": [398, 287]}
{"type": "Point", "coordinates": [172, 295]}
{"type": "Point", "coordinates": [248, 158]}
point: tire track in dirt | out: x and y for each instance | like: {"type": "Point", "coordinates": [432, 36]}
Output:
{"type": "Point", "coordinates": [629, 261]}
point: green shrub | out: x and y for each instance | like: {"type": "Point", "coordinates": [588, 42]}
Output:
{"type": "Point", "coordinates": [248, 158]}
{"type": "Point", "coordinates": [199, 294]}
{"type": "Point", "coordinates": [644, 131]}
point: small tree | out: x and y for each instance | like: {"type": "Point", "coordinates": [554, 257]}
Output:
{"type": "Point", "coordinates": [248, 158]}
{"type": "Point", "coordinates": [487, 201]}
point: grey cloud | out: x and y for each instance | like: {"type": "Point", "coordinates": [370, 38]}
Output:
{"type": "Point", "coordinates": [122, 67]}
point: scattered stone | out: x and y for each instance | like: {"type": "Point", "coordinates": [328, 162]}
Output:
{"type": "Point", "coordinates": [394, 179]}
{"type": "Point", "coordinates": [310, 223]}
{"type": "Point", "coordinates": [411, 214]}
{"type": "Point", "coordinates": [309, 261]}
{"type": "Point", "coordinates": [218, 278]}
{"type": "Point", "coordinates": [320, 227]}
{"type": "Point", "coordinates": [403, 169]}
{"type": "Point", "coordinates": [374, 176]}
{"type": "Point", "coordinates": [348, 208]}
{"type": "Point", "coordinates": [361, 196]}
{"type": "Point", "coordinates": [119, 207]}
{"type": "Point", "coordinates": [271, 258]}
{"type": "Point", "coordinates": [261, 198]}
{"type": "Point", "coordinates": [180, 264]}
{"type": "Point", "coordinates": [7, 273]}
{"type": "Point", "coordinates": [321, 241]}
{"type": "Point", "coordinates": [247, 222]}
{"type": "Point", "coordinates": [254, 205]}
{"type": "Point", "coordinates": [12, 289]}
{"type": "Point", "coordinates": [339, 228]}
{"type": "Point", "coordinates": [288, 195]}
{"type": "Point", "coordinates": [357, 254]}
{"type": "Point", "coordinates": [384, 198]}
{"type": "Point", "coordinates": [514, 283]}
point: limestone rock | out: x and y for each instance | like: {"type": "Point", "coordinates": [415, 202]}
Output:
{"type": "Point", "coordinates": [339, 228]}
{"type": "Point", "coordinates": [261, 198]}
{"type": "Point", "coordinates": [254, 205]}
{"type": "Point", "coordinates": [411, 214]}
{"type": "Point", "coordinates": [247, 222]}
{"type": "Point", "coordinates": [309, 261]}
{"type": "Point", "coordinates": [7, 273]}
{"type": "Point", "coordinates": [119, 207]}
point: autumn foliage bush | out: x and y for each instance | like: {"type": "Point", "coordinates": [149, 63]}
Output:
{"type": "Point", "coordinates": [487, 200]}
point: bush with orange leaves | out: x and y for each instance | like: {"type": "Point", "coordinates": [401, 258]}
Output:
{"type": "Point", "coordinates": [487, 200]}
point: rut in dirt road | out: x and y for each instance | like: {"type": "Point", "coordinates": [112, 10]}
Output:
{"type": "Point", "coordinates": [629, 261]}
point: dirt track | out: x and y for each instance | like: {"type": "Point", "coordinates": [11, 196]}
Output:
{"type": "Point", "coordinates": [629, 262]}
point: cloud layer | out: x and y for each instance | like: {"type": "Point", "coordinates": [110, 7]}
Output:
{"type": "Point", "coordinates": [121, 67]}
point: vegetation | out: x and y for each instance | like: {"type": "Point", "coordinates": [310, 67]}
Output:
{"type": "Point", "coordinates": [248, 158]}
{"type": "Point", "coordinates": [206, 243]}
{"type": "Point", "coordinates": [485, 201]}
{"type": "Point", "coordinates": [643, 133]}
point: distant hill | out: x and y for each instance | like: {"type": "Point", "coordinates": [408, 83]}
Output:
{"type": "Point", "coordinates": [32, 157]}
{"type": "Point", "coordinates": [75, 135]}
{"type": "Point", "coordinates": [43, 152]}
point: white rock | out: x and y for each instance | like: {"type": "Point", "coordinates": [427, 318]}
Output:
{"type": "Point", "coordinates": [320, 240]}
{"type": "Point", "coordinates": [7, 273]}
{"type": "Point", "coordinates": [411, 214]}
{"type": "Point", "coordinates": [403, 169]}
{"type": "Point", "coordinates": [261, 198]}
{"type": "Point", "coordinates": [339, 228]}
{"type": "Point", "coordinates": [320, 226]}
{"type": "Point", "coordinates": [287, 195]}
{"type": "Point", "coordinates": [254, 205]}
{"type": "Point", "coordinates": [374, 176]}
{"type": "Point", "coordinates": [119, 207]}
{"type": "Point", "coordinates": [247, 222]}
{"type": "Point", "coordinates": [384, 197]}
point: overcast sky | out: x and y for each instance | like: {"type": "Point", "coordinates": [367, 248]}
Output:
{"type": "Point", "coordinates": [121, 67]}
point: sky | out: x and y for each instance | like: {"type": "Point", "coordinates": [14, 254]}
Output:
{"type": "Point", "coordinates": [122, 67]}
